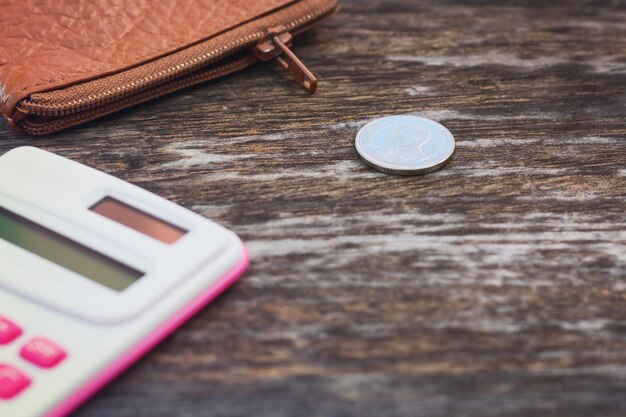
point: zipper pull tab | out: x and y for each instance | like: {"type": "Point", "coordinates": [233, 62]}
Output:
{"type": "Point", "coordinates": [276, 45]}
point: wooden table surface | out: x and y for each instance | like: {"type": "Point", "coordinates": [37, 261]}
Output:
{"type": "Point", "coordinates": [494, 287]}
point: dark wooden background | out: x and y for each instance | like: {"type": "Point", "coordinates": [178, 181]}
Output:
{"type": "Point", "coordinates": [495, 287]}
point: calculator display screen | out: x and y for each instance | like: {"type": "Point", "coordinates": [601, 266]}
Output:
{"type": "Point", "coordinates": [136, 219]}
{"type": "Point", "coordinates": [65, 252]}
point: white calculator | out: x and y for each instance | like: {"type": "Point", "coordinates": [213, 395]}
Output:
{"type": "Point", "coordinates": [93, 273]}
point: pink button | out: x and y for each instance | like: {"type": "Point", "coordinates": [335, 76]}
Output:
{"type": "Point", "coordinates": [12, 382]}
{"type": "Point", "coordinates": [43, 352]}
{"type": "Point", "coordinates": [9, 331]}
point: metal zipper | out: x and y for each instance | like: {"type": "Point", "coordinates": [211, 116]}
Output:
{"type": "Point", "coordinates": [275, 45]}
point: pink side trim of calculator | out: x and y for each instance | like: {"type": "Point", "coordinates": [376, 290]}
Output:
{"type": "Point", "coordinates": [91, 387]}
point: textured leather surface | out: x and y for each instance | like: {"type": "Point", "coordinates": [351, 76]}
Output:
{"type": "Point", "coordinates": [54, 43]}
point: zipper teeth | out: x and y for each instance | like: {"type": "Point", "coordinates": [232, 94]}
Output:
{"type": "Point", "coordinates": [95, 100]}
{"type": "Point", "coordinates": [49, 127]}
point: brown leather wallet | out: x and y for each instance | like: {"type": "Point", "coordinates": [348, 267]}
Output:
{"type": "Point", "coordinates": [66, 62]}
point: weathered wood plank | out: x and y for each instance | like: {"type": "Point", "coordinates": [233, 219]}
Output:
{"type": "Point", "coordinates": [495, 287]}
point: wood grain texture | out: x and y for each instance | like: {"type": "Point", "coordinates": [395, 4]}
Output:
{"type": "Point", "coordinates": [494, 287]}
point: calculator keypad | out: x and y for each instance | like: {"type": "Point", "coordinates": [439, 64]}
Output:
{"type": "Point", "coordinates": [9, 331]}
{"type": "Point", "coordinates": [43, 352]}
{"type": "Point", "coordinates": [40, 351]}
{"type": "Point", "coordinates": [12, 381]}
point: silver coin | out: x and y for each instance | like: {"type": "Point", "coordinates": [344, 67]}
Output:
{"type": "Point", "coordinates": [404, 145]}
